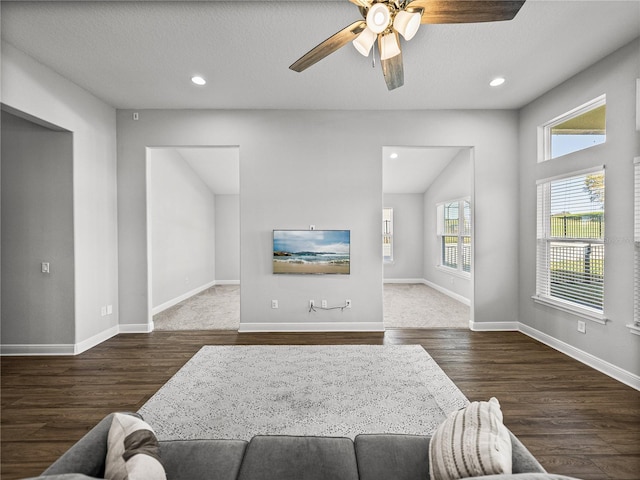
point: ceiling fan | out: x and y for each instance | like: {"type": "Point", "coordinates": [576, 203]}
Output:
{"type": "Point", "coordinates": [385, 20]}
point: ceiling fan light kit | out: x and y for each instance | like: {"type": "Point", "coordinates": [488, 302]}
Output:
{"type": "Point", "coordinates": [385, 19]}
{"type": "Point", "coordinates": [364, 41]}
{"type": "Point", "coordinates": [378, 17]}
{"type": "Point", "coordinates": [407, 23]}
{"type": "Point", "coordinates": [389, 46]}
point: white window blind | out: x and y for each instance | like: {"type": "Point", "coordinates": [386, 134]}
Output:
{"type": "Point", "coordinates": [570, 240]}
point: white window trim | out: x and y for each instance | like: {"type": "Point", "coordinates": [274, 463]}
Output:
{"type": "Point", "coordinates": [393, 260]}
{"type": "Point", "coordinates": [458, 272]}
{"type": "Point", "coordinates": [559, 304]}
{"type": "Point", "coordinates": [544, 130]}
{"type": "Point", "coordinates": [634, 326]}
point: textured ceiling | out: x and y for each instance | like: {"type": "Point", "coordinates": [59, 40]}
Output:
{"type": "Point", "coordinates": [142, 54]}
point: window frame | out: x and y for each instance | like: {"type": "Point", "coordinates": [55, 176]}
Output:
{"type": "Point", "coordinates": [544, 239]}
{"type": "Point", "coordinates": [387, 234]}
{"type": "Point", "coordinates": [544, 131]}
{"type": "Point", "coordinates": [634, 326]}
{"type": "Point", "coordinates": [461, 235]}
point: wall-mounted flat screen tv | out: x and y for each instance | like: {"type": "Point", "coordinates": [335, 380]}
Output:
{"type": "Point", "coordinates": [311, 251]}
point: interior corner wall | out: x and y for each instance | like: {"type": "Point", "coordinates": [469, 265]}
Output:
{"type": "Point", "coordinates": [228, 238]}
{"type": "Point", "coordinates": [40, 93]}
{"type": "Point", "coordinates": [614, 76]}
{"type": "Point", "coordinates": [454, 183]}
{"type": "Point", "coordinates": [323, 168]}
{"type": "Point", "coordinates": [408, 235]}
{"type": "Point", "coordinates": [37, 226]}
{"type": "Point", "coordinates": [183, 242]}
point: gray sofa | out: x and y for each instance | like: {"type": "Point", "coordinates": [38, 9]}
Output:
{"type": "Point", "coordinates": [272, 457]}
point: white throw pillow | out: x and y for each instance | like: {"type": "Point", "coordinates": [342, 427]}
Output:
{"type": "Point", "coordinates": [471, 442]}
{"type": "Point", "coordinates": [132, 451]}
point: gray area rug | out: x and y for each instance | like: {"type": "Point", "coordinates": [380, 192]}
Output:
{"type": "Point", "coordinates": [242, 391]}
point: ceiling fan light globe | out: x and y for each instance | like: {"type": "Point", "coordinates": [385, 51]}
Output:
{"type": "Point", "coordinates": [364, 41]}
{"type": "Point", "coordinates": [407, 24]}
{"type": "Point", "coordinates": [378, 17]}
{"type": "Point", "coordinates": [389, 46]}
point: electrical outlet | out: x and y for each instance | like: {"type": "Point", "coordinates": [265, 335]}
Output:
{"type": "Point", "coordinates": [274, 303]}
{"type": "Point", "coordinates": [347, 303]}
{"type": "Point", "coordinates": [312, 303]}
{"type": "Point", "coordinates": [109, 309]}
{"type": "Point", "coordinates": [103, 311]}
{"type": "Point", "coordinates": [582, 326]}
{"type": "Point", "coordinates": [324, 304]}
{"type": "Point", "coordinates": [45, 267]}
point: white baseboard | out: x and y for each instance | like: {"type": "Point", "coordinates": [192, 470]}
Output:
{"type": "Point", "coordinates": [174, 301]}
{"type": "Point", "coordinates": [135, 328]}
{"type": "Point", "coordinates": [37, 349]}
{"type": "Point", "coordinates": [96, 339]}
{"type": "Point", "coordinates": [603, 366]}
{"type": "Point", "coordinates": [227, 282]}
{"type": "Point", "coordinates": [313, 327]}
{"type": "Point", "coordinates": [448, 293]}
{"type": "Point", "coordinates": [403, 280]}
{"type": "Point", "coordinates": [494, 326]}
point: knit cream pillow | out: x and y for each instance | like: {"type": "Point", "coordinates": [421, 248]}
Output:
{"type": "Point", "coordinates": [471, 442]}
{"type": "Point", "coordinates": [132, 450]}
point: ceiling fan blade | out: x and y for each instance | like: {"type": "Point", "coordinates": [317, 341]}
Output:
{"type": "Point", "coordinates": [466, 11]}
{"type": "Point", "coordinates": [329, 46]}
{"type": "Point", "coordinates": [392, 69]}
{"type": "Point", "coordinates": [361, 3]}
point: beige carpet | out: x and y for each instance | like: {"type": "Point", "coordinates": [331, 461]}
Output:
{"type": "Point", "coordinates": [405, 306]}
{"type": "Point", "coordinates": [414, 305]}
{"type": "Point", "coordinates": [217, 308]}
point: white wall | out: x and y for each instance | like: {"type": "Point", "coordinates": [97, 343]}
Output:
{"type": "Point", "coordinates": [227, 238]}
{"type": "Point", "coordinates": [30, 87]}
{"type": "Point", "coordinates": [612, 346]}
{"type": "Point", "coordinates": [453, 183]}
{"type": "Point", "coordinates": [408, 236]}
{"type": "Point", "coordinates": [37, 226]}
{"type": "Point", "coordinates": [324, 168]}
{"type": "Point", "coordinates": [183, 240]}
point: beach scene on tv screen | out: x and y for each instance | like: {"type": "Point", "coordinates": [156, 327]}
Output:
{"type": "Point", "coordinates": [311, 251]}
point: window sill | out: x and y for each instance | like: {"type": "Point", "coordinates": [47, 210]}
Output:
{"type": "Point", "coordinates": [635, 329]}
{"type": "Point", "coordinates": [567, 307]}
{"type": "Point", "coordinates": [453, 271]}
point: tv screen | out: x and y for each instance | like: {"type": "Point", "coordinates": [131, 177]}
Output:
{"type": "Point", "coordinates": [311, 251]}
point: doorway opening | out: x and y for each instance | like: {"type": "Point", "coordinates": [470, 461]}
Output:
{"type": "Point", "coordinates": [427, 248]}
{"type": "Point", "coordinates": [193, 237]}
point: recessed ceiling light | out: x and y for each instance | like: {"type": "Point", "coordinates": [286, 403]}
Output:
{"type": "Point", "coordinates": [198, 80]}
{"type": "Point", "coordinates": [497, 81]}
{"type": "Point", "coordinates": [394, 155]}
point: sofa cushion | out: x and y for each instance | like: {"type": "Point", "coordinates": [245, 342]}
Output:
{"type": "Point", "coordinates": [389, 456]}
{"type": "Point", "coordinates": [275, 457]}
{"type": "Point", "coordinates": [472, 441]}
{"type": "Point", "coordinates": [132, 450]}
{"type": "Point", "coordinates": [193, 459]}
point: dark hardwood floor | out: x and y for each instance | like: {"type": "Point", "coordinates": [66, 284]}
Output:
{"type": "Point", "coordinates": [575, 420]}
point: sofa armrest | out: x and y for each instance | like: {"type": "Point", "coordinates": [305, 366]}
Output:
{"type": "Point", "coordinates": [522, 460]}
{"type": "Point", "coordinates": [87, 455]}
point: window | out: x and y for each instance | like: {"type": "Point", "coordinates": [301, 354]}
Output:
{"type": "Point", "coordinates": [454, 230]}
{"type": "Point", "coordinates": [635, 326]}
{"type": "Point", "coordinates": [387, 235]}
{"type": "Point", "coordinates": [570, 243]}
{"type": "Point", "coordinates": [581, 128]}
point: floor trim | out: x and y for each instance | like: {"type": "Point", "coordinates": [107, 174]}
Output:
{"type": "Point", "coordinates": [180, 298]}
{"type": "Point", "coordinates": [313, 327]}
